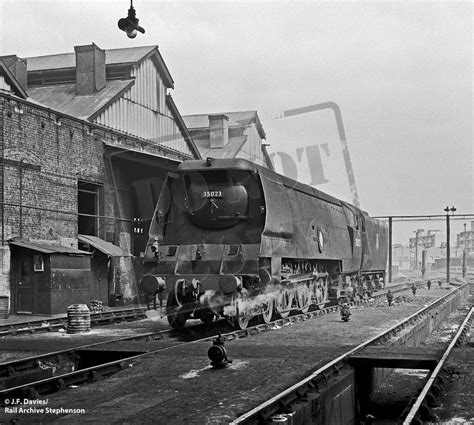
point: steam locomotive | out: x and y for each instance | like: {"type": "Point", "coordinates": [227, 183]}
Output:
{"type": "Point", "coordinates": [233, 239]}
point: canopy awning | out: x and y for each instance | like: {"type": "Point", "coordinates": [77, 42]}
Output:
{"type": "Point", "coordinates": [47, 248]}
{"type": "Point", "coordinates": [104, 246]}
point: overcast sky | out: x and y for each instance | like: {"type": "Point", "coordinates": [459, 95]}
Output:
{"type": "Point", "coordinates": [401, 72]}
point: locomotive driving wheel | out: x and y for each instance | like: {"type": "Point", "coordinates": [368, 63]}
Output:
{"type": "Point", "coordinates": [303, 298]}
{"type": "Point", "coordinates": [283, 302]}
{"type": "Point", "coordinates": [320, 292]}
{"type": "Point", "coordinates": [176, 319]}
{"type": "Point", "coordinates": [206, 316]}
{"type": "Point", "coordinates": [267, 313]}
{"type": "Point", "coordinates": [242, 316]}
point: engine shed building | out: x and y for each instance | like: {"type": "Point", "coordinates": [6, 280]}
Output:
{"type": "Point", "coordinates": [86, 140]}
{"type": "Point", "coordinates": [230, 135]}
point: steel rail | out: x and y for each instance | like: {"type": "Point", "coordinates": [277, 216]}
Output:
{"type": "Point", "coordinates": [272, 405]}
{"type": "Point", "coordinates": [262, 327]}
{"type": "Point", "coordinates": [31, 363]}
{"type": "Point", "coordinates": [48, 324]}
{"type": "Point", "coordinates": [19, 364]}
{"type": "Point", "coordinates": [98, 318]}
{"type": "Point", "coordinates": [434, 375]}
{"type": "Point", "coordinates": [59, 382]}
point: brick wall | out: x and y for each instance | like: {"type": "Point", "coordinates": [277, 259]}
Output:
{"type": "Point", "coordinates": [43, 155]}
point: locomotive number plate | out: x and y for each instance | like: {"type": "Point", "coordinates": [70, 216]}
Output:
{"type": "Point", "coordinates": [212, 194]}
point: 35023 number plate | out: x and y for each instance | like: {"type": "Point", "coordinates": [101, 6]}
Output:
{"type": "Point", "coordinates": [212, 194]}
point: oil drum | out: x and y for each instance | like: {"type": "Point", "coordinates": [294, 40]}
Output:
{"type": "Point", "coordinates": [78, 319]}
{"type": "Point", "coordinates": [3, 307]}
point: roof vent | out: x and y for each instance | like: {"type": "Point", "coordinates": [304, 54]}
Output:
{"type": "Point", "coordinates": [90, 69]}
{"type": "Point", "coordinates": [219, 130]}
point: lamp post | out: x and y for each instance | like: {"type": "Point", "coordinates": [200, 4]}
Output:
{"type": "Point", "coordinates": [448, 251]}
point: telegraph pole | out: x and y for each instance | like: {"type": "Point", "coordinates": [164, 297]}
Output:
{"type": "Point", "coordinates": [464, 254]}
{"type": "Point", "coordinates": [416, 250]}
{"type": "Point", "coordinates": [448, 247]}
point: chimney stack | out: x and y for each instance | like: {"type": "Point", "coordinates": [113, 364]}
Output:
{"type": "Point", "coordinates": [17, 67]}
{"type": "Point", "coordinates": [219, 130]}
{"type": "Point", "coordinates": [90, 69]}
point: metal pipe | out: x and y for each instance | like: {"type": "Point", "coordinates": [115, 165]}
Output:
{"type": "Point", "coordinates": [390, 230]}
{"type": "Point", "coordinates": [423, 217]}
{"type": "Point", "coordinates": [448, 248]}
{"type": "Point", "coordinates": [66, 212]}
{"type": "Point", "coordinates": [21, 196]}
{"type": "Point", "coordinates": [2, 146]}
{"type": "Point", "coordinates": [464, 253]}
{"type": "Point", "coordinates": [416, 250]}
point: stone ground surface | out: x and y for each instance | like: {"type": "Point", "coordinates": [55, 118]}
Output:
{"type": "Point", "coordinates": [178, 385]}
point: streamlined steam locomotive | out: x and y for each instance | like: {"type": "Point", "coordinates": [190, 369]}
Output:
{"type": "Point", "coordinates": [233, 239]}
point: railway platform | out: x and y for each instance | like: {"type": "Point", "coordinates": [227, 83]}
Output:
{"type": "Point", "coordinates": [180, 386]}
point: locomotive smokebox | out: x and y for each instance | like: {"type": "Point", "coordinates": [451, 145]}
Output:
{"type": "Point", "coordinates": [217, 354]}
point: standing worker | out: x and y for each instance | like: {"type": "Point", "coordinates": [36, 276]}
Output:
{"type": "Point", "coordinates": [428, 284]}
{"type": "Point", "coordinates": [389, 297]}
{"type": "Point", "coordinates": [413, 289]}
{"type": "Point", "coordinates": [439, 283]}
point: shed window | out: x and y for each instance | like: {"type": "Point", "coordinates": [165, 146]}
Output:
{"type": "Point", "coordinates": [88, 206]}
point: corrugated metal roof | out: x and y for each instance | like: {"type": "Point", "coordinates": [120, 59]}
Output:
{"type": "Point", "coordinates": [144, 156]}
{"type": "Point", "coordinates": [63, 97]}
{"type": "Point", "coordinates": [241, 118]}
{"type": "Point", "coordinates": [104, 246]}
{"type": "Point", "coordinates": [68, 60]}
{"type": "Point", "coordinates": [47, 248]}
{"type": "Point", "coordinates": [202, 121]}
{"type": "Point", "coordinates": [228, 151]}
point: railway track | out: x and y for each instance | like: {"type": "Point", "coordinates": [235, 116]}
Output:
{"type": "Point", "coordinates": [420, 411]}
{"type": "Point", "coordinates": [54, 324]}
{"type": "Point", "coordinates": [107, 318]}
{"type": "Point", "coordinates": [51, 372]}
{"type": "Point", "coordinates": [306, 391]}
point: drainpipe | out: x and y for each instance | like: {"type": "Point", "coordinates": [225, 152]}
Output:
{"type": "Point", "coordinates": [21, 197]}
{"type": "Point", "coordinates": [2, 147]}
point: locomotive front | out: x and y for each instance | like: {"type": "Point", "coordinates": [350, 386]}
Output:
{"type": "Point", "coordinates": [204, 238]}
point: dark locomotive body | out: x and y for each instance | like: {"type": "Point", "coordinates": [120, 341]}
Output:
{"type": "Point", "coordinates": [231, 238]}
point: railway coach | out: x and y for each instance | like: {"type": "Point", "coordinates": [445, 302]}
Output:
{"type": "Point", "coordinates": [231, 238]}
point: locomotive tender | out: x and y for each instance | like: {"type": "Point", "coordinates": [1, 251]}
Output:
{"type": "Point", "coordinates": [231, 238]}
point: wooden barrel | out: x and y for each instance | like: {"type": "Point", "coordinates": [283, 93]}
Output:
{"type": "Point", "coordinates": [4, 307]}
{"type": "Point", "coordinates": [78, 319]}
